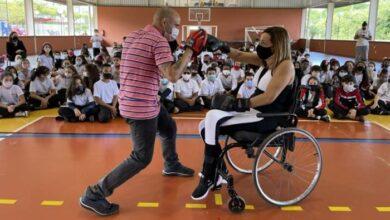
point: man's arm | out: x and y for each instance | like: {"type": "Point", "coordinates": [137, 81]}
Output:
{"type": "Point", "coordinates": [173, 71]}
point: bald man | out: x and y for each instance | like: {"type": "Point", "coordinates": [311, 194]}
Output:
{"type": "Point", "coordinates": [146, 58]}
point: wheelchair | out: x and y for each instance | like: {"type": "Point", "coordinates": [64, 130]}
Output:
{"type": "Point", "coordinates": [285, 164]}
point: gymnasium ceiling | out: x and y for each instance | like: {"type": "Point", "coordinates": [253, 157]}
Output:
{"type": "Point", "coordinates": [221, 3]}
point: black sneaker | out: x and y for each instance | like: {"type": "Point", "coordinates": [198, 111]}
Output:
{"type": "Point", "coordinates": [99, 206]}
{"type": "Point", "coordinates": [325, 118]}
{"type": "Point", "coordinates": [203, 189]}
{"type": "Point", "coordinates": [179, 170]}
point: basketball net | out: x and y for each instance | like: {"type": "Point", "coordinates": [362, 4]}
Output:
{"type": "Point", "coordinates": [199, 18]}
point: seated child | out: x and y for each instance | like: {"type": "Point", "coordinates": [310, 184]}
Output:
{"type": "Point", "coordinates": [12, 101]}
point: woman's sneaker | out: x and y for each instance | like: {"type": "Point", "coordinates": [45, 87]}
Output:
{"type": "Point", "coordinates": [203, 189]}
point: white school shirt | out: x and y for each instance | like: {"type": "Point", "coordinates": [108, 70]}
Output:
{"type": "Point", "coordinates": [197, 79]}
{"type": "Point", "coordinates": [229, 82]}
{"type": "Point", "coordinates": [205, 67]}
{"type": "Point", "coordinates": [96, 41]}
{"type": "Point", "coordinates": [384, 92]}
{"type": "Point", "coordinates": [246, 92]}
{"type": "Point", "coordinates": [362, 41]}
{"type": "Point", "coordinates": [11, 95]}
{"type": "Point", "coordinates": [82, 99]}
{"type": "Point", "coordinates": [105, 90]}
{"type": "Point", "coordinates": [237, 73]}
{"type": "Point", "coordinates": [46, 61]}
{"type": "Point", "coordinates": [209, 88]}
{"type": "Point", "coordinates": [41, 88]}
{"type": "Point", "coordinates": [186, 89]}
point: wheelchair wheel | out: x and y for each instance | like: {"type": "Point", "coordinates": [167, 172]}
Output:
{"type": "Point", "coordinates": [295, 171]}
{"type": "Point", "coordinates": [242, 162]}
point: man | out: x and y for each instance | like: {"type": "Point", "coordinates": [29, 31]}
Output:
{"type": "Point", "coordinates": [362, 38]}
{"type": "Point", "coordinates": [146, 58]}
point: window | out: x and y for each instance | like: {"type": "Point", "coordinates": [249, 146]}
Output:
{"type": "Point", "coordinates": [383, 21]}
{"type": "Point", "coordinates": [347, 20]}
{"type": "Point", "coordinates": [82, 18]}
{"type": "Point", "coordinates": [12, 17]}
{"type": "Point", "coordinates": [316, 24]}
{"type": "Point", "coordinates": [50, 18]}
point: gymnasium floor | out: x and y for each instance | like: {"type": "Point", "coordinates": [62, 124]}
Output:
{"type": "Point", "coordinates": [45, 165]}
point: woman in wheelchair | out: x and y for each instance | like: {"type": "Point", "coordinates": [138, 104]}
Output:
{"type": "Point", "coordinates": [274, 81]}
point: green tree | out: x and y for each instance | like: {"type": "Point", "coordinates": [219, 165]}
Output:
{"type": "Point", "coordinates": [383, 21]}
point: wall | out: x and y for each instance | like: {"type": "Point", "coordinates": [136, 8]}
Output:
{"type": "Point", "coordinates": [377, 51]}
{"type": "Point", "coordinates": [58, 42]}
{"type": "Point", "coordinates": [120, 21]}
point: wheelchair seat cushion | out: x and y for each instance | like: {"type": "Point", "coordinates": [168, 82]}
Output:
{"type": "Point", "coordinates": [248, 137]}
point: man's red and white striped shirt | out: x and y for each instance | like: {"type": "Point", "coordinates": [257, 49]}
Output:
{"type": "Point", "coordinates": [143, 51]}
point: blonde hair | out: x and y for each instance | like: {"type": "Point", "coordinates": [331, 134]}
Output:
{"type": "Point", "coordinates": [281, 45]}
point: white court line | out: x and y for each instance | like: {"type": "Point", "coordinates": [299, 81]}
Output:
{"type": "Point", "coordinates": [382, 126]}
{"type": "Point", "coordinates": [22, 127]}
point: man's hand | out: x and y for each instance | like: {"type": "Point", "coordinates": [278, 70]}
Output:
{"type": "Point", "coordinates": [196, 41]}
{"type": "Point", "coordinates": [352, 114]}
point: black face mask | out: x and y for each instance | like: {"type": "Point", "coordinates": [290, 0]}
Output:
{"type": "Point", "coordinates": [15, 38]}
{"type": "Point", "coordinates": [313, 87]}
{"type": "Point", "coordinates": [107, 75]}
{"type": "Point", "coordinates": [264, 52]}
{"type": "Point", "coordinates": [80, 90]}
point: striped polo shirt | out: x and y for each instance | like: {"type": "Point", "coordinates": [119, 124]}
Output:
{"type": "Point", "coordinates": [143, 51]}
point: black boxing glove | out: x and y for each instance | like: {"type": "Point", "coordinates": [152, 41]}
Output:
{"type": "Point", "coordinates": [213, 44]}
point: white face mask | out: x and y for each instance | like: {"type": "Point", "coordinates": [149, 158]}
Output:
{"type": "Point", "coordinates": [342, 74]}
{"type": "Point", "coordinates": [79, 62]}
{"type": "Point", "coordinates": [226, 72]}
{"type": "Point", "coordinates": [85, 74]}
{"type": "Point", "coordinates": [175, 33]}
{"type": "Point", "coordinates": [371, 68]}
{"type": "Point", "coordinates": [348, 87]}
{"type": "Point", "coordinates": [7, 84]}
{"type": "Point", "coordinates": [186, 77]}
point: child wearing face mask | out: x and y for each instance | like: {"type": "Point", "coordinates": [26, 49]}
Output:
{"type": "Point", "coordinates": [229, 82]}
{"type": "Point", "coordinates": [381, 104]}
{"type": "Point", "coordinates": [194, 74]}
{"type": "Point", "coordinates": [24, 74]}
{"type": "Point", "coordinates": [315, 71]}
{"type": "Point", "coordinates": [57, 59]}
{"type": "Point", "coordinates": [371, 72]}
{"type": "Point", "coordinates": [43, 94]}
{"type": "Point", "coordinates": [80, 64]}
{"type": "Point", "coordinates": [350, 66]}
{"type": "Point", "coordinates": [12, 100]}
{"type": "Point", "coordinates": [166, 95]}
{"type": "Point", "coordinates": [46, 58]}
{"type": "Point", "coordinates": [63, 82]}
{"type": "Point", "coordinates": [361, 79]}
{"type": "Point", "coordinates": [186, 91]}
{"type": "Point", "coordinates": [71, 56]}
{"type": "Point", "coordinates": [305, 67]}
{"type": "Point", "coordinates": [382, 77]}
{"type": "Point", "coordinates": [106, 96]}
{"type": "Point", "coordinates": [116, 63]}
{"type": "Point", "coordinates": [325, 79]}
{"type": "Point", "coordinates": [247, 89]}
{"type": "Point", "coordinates": [80, 105]}
{"type": "Point", "coordinates": [206, 63]}
{"type": "Point", "coordinates": [238, 73]}
{"type": "Point", "coordinates": [347, 101]}
{"type": "Point", "coordinates": [312, 99]}
{"type": "Point", "coordinates": [336, 79]}
{"type": "Point", "coordinates": [12, 70]}
{"type": "Point", "coordinates": [210, 86]}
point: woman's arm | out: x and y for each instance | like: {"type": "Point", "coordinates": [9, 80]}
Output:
{"type": "Point", "coordinates": [283, 75]}
{"type": "Point", "coordinates": [245, 57]}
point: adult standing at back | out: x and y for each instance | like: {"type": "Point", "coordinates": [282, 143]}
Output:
{"type": "Point", "coordinates": [96, 41]}
{"type": "Point", "coordinates": [146, 58]}
{"type": "Point", "coordinates": [362, 38]}
{"type": "Point", "coordinates": [15, 47]}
